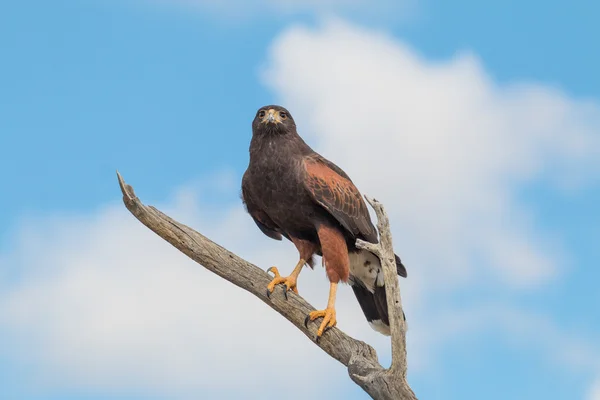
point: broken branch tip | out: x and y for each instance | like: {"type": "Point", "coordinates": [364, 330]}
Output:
{"type": "Point", "coordinates": [126, 189]}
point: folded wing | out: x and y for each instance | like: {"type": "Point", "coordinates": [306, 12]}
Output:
{"type": "Point", "coordinates": [330, 187]}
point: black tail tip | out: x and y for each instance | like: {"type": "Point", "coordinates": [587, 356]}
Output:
{"type": "Point", "coordinates": [400, 267]}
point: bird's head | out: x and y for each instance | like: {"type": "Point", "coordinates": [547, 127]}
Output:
{"type": "Point", "coordinates": [273, 120]}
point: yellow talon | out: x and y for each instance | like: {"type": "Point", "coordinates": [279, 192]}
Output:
{"type": "Point", "coordinates": [289, 281]}
{"type": "Point", "coordinates": [329, 320]}
{"type": "Point", "coordinates": [275, 271]}
{"type": "Point", "coordinates": [328, 314]}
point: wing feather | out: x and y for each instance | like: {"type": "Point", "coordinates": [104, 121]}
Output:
{"type": "Point", "coordinates": [333, 189]}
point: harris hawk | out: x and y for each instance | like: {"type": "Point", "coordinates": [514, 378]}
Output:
{"type": "Point", "coordinates": [292, 191]}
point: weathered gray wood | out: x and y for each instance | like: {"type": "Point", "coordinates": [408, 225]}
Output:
{"type": "Point", "coordinates": [385, 251]}
{"type": "Point", "coordinates": [359, 357]}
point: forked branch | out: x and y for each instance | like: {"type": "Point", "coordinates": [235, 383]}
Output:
{"type": "Point", "coordinates": [357, 356]}
{"type": "Point", "coordinates": [385, 251]}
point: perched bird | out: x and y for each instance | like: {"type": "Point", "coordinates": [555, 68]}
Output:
{"type": "Point", "coordinates": [293, 192]}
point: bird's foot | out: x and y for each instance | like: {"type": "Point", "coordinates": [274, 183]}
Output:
{"type": "Point", "coordinates": [329, 320]}
{"type": "Point", "coordinates": [288, 281]}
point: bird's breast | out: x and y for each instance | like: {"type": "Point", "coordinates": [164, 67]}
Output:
{"type": "Point", "coordinates": [277, 177]}
{"type": "Point", "coordinates": [277, 185]}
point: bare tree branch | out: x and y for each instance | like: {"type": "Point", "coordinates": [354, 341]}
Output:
{"type": "Point", "coordinates": [357, 356]}
{"type": "Point", "coordinates": [385, 252]}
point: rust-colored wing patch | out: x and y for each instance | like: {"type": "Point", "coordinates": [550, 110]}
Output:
{"type": "Point", "coordinates": [333, 190]}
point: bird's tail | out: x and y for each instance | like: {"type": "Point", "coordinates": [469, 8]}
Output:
{"type": "Point", "coordinates": [374, 307]}
{"type": "Point", "coordinates": [374, 304]}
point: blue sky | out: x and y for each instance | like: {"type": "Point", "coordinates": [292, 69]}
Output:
{"type": "Point", "coordinates": [504, 96]}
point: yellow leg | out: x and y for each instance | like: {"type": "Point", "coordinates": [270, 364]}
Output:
{"type": "Point", "coordinates": [329, 320]}
{"type": "Point", "coordinates": [289, 281]}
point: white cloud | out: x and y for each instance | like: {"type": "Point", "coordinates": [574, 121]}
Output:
{"type": "Point", "coordinates": [447, 150]}
{"type": "Point", "coordinates": [449, 147]}
{"type": "Point", "coordinates": [103, 302]}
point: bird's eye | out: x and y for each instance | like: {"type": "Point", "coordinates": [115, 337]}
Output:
{"type": "Point", "coordinates": [261, 113]}
{"type": "Point", "coordinates": [283, 115]}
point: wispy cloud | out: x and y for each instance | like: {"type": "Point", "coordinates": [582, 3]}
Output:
{"type": "Point", "coordinates": [441, 143]}
{"type": "Point", "coordinates": [447, 149]}
{"type": "Point", "coordinates": [104, 304]}
{"type": "Point", "coordinates": [271, 9]}
{"type": "Point", "coordinates": [594, 393]}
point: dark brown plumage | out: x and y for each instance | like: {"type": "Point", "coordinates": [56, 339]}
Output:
{"type": "Point", "coordinates": [291, 191]}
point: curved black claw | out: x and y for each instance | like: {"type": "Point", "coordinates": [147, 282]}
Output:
{"type": "Point", "coordinates": [268, 294]}
{"type": "Point", "coordinates": [285, 290]}
{"type": "Point", "coordinates": [306, 321]}
{"type": "Point", "coordinates": [324, 331]}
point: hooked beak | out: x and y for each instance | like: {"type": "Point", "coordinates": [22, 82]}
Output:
{"type": "Point", "coordinates": [272, 116]}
